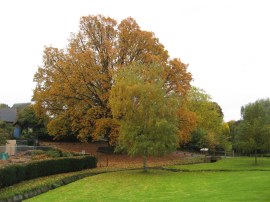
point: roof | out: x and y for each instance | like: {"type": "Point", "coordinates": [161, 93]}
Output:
{"type": "Point", "coordinates": [8, 115]}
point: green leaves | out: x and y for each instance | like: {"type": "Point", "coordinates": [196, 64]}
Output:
{"type": "Point", "coordinates": [147, 114]}
{"type": "Point", "coordinates": [209, 119]}
{"type": "Point", "coordinates": [254, 133]}
{"type": "Point", "coordinates": [73, 84]}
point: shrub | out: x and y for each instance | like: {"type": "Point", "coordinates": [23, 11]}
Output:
{"type": "Point", "coordinates": [38, 152]}
{"type": "Point", "coordinates": [39, 157]}
{"type": "Point", "coordinates": [67, 154]}
{"type": "Point", "coordinates": [266, 155]}
{"type": "Point", "coordinates": [53, 153]}
{"type": "Point", "coordinates": [10, 175]}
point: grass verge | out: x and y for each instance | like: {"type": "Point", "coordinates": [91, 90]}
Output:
{"type": "Point", "coordinates": [228, 164]}
{"type": "Point", "coordinates": [162, 185]}
{"type": "Point", "coordinates": [28, 189]}
{"type": "Point", "coordinates": [37, 186]}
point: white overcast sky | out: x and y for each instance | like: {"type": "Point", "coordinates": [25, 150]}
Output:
{"type": "Point", "coordinates": [226, 43]}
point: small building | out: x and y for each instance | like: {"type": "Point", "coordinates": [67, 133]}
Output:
{"type": "Point", "coordinates": [8, 115]}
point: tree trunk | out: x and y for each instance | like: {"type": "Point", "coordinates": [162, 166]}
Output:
{"type": "Point", "coordinates": [256, 161]}
{"type": "Point", "coordinates": [145, 163]}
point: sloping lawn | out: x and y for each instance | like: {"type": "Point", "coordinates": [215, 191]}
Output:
{"type": "Point", "coordinates": [157, 185]}
{"type": "Point", "coordinates": [230, 164]}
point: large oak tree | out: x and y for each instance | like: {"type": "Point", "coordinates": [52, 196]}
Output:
{"type": "Point", "coordinates": [74, 83]}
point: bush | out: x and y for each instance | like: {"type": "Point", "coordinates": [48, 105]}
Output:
{"type": "Point", "coordinates": [10, 175]}
{"type": "Point", "coordinates": [53, 153]}
{"type": "Point", "coordinates": [67, 154]}
{"type": "Point", "coordinates": [40, 157]}
{"type": "Point", "coordinates": [38, 152]}
{"type": "Point", "coordinates": [266, 155]}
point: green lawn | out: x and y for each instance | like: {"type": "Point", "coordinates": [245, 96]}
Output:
{"type": "Point", "coordinates": [245, 185]}
{"type": "Point", "coordinates": [231, 164]}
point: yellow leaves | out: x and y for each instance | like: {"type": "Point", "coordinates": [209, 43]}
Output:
{"type": "Point", "coordinates": [211, 139]}
{"type": "Point", "coordinates": [187, 124]}
{"type": "Point", "coordinates": [146, 114]}
{"type": "Point", "coordinates": [58, 127]}
{"type": "Point", "coordinates": [100, 33]}
{"type": "Point", "coordinates": [138, 45]}
{"type": "Point", "coordinates": [105, 126]}
{"type": "Point", "coordinates": [199, 113]}
{"type": "Point", "coordinates": [177, 76]}
{"type": "Point", "coordinates": [75, 83]}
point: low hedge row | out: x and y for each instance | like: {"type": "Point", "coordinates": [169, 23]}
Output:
{"type": "Point", "coordinates": [13, 174]}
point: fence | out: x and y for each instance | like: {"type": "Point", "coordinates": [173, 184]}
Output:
{"type": "Point", "coordinates": [223, 153]}
{"type": "Point", "coordinates": [19, 149]}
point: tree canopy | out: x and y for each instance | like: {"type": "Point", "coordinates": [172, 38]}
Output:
{"type": "Point", "coordinates": [206, 119]}
{"type": "Point", "coordinates": [3, 105]}
{"type": "Point", "coordinates": [73, 84]}
{"type": "Point", "coordinates": [146, 112]}
{"type": "Point", "coordinates": [6, 130]}
{"type": "Point", "coordinates": [255, 127]}
{"type": "Point", "coordinates": [31, 126]}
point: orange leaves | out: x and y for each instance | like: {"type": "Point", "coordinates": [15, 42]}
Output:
{"type": "Point", "coordinates": [177, 77]}
{"type": "Point", "coordinates": [187, 124]}
{"type": "Point", "coordinates": [109, 127]}
{"type": "Point", "coordinates": [136, 45]}
{"type": "Point", "coordinates": [75, 83]}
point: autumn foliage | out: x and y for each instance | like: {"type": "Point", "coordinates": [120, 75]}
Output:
{"type": "Point", "coordinates": [73, 84]}
{"type": "Point", "coordinates": [145, 111]}
{"type": "Point", "coordinates": [187, 124]}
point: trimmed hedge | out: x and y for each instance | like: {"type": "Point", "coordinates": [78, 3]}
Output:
{"type": "Point", "coordinates": [13, 174]}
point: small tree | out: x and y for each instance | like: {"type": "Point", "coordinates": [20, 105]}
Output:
{"type": "Point", "coordinates": [5, 132]}
{"type": "Point", "coordinates": [147, 114]}
{"type": "Point", "coordinates": [255, 127]}
{"type": "Point", "coordinates": [3, 137]}
{"type": "Point", "coordinates": [209, 119]}
{"type": "Point", "coordinates": [4, 128]}
{"type": "Point", "coordinates": [3, 105]}
{"type": "Point", "coordinates": [32, 126]}
{"type": "Point", "coordinates": [224, 138]}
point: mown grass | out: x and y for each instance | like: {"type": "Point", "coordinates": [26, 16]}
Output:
{"type": "Point", "coordinates": [55, 180]}
{"type": "Point", "coordinates": [230, 164]}
{"type": "Point", "coordinates": [246, 183]}
{"type": "Point", "coordinates": [165, 186]}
